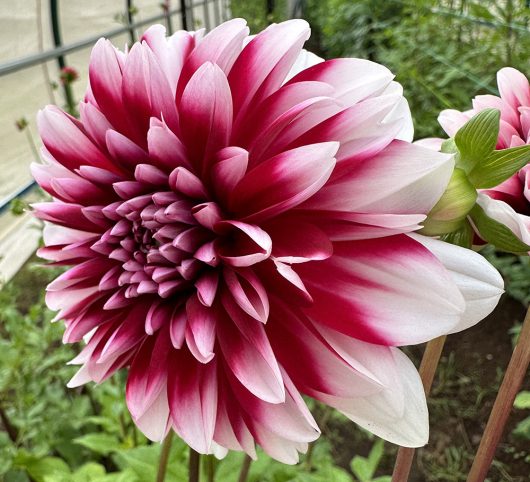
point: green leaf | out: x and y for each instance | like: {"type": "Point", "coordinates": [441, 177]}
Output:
{"type": "Point", "coordinates": [462, 237]}
{"type": "Point", "coordinates": [376, 453]}
{"type": "Point", "coordinates": [100, 443]}
{"type": "Point", "coordinates": [522, 429]}
{"type": "Point", "coordinates": [522, 400]}
{"type": "Point", "coordinates": [43, 468]}
{"type": "Point", "coordinates": [361, 468]}
{"type": "Point", "coordinates": [477, 138]}
{"type": "Point", "coordinates": [497, 234]}
{"type": "Point", "coordinates": [499, 166]}
{"type": "Point", "coordinates": [89, 472]}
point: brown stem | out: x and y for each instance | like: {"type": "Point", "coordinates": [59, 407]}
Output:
{"type": "Point", "coordinates": [164, 457]}
{"type": "Point", "coordinates": [511, 383]}
{"type": "Point", "coordinates": [9, 428]}
{"type": "Point", "coordinates": [194, 465]}
{"type": "Point", "coordinates": [32, 145]}
{"type": "Point", "coordinates": [245, 467]}
{"type": "Point", "coordinates": [429, 364]}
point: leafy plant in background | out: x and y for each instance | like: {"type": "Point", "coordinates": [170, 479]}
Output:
{"type": "Point", "coordinates": [522, 402]}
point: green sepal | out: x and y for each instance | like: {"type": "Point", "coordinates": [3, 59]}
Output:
{"type": "Point", "coordinates": [450, 211]}
{"type": "Point", "coordinates": [449, 146]}
{"type": "Point", "coordinates": [496, 233]}
{"type": "Point", "coordinates": [499, 166]}
{"type": "Point", "coordinates": [461, 237]}
{"type": "Point", "coordinates": [477, 138]}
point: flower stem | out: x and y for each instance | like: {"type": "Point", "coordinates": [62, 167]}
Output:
{"type": "Point", "coordinates": [245, 467]}
{"type": "Point", "coordinates": [210, 468]}
{"type": "Point", "coordinates": [164, 456]}
{"type": "Point", "coordinates": [429, 364]}
{"type": "Point", "coordinates": [511, 383]}
{"type": "Point", "coordinates": [11, 431]}
{"type": "Point", "coordinates": [194, 466]}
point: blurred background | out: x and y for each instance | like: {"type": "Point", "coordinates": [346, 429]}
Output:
{"type": "Point", "coordinates": [443, 52]}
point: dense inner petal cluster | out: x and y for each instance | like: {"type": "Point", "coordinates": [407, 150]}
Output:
{"type": "Point", "coordinates": [237, 216]}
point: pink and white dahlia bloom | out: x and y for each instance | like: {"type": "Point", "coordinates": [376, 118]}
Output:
{"type": "Point", "coordinates": [509, 202]}
{"type": "Point", "coordinates": [239, 235]}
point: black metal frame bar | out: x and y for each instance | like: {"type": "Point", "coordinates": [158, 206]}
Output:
{"type": "Point", "coordinates": [61, 50]}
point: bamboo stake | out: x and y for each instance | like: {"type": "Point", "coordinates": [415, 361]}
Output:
{"type": "Point", "coordinates": [511, 383]}
{"type": "Point", "coordinates": [428, 366]}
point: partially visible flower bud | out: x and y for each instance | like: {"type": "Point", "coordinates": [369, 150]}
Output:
{"type": "Point", "coordinates": [68, 75]}
{"type": "Point", "coordinates": [453, 207]}
{"type": "Point", "coordinates": [21, 124]}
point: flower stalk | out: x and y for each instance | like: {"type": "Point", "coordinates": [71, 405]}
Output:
{"type": "Point", "coordinates": [511, 384]}
{"type": "Point", "coordinates": [429, 364]}
{"type": "Point", "coordinates": [245, 468]}
{"type": "Point", "coordinates": [164, 457]}
{"type": "Point", "coordinates": [210, 468]}
{"type": "Point", "coordinates": [194, 465]}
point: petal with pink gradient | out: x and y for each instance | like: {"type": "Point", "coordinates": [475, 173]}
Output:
{"type": "Point", "coordinates": [379, 290]}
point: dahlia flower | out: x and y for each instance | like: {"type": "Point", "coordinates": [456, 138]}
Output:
{"type": "Point", "coordinates": [238, 216]}
{"type": "Point", "coordinates": [509, 202]}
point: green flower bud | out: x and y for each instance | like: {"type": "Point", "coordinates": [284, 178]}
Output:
{"type": "Point", "coordinates": [450, 211]}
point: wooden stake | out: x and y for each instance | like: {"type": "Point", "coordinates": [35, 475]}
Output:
{"type": "Point", "coordinates": [429, 364]}
{"type": "Point", "coordinates": [511, 384]}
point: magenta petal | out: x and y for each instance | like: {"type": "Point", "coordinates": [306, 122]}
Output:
{"type": "Point", "coordinates": [221, 46]}
{"type": "Point", "coordinates": [265, 62]}
{"type": "Point", "coordinates": [202, 322]}
{"type": "Point", "coordinates": [379, 290]}
{"type": "Point", "coordinates": [65, 140]}
{"type": "Point", "coordinates": [165, 148]}
{"type": "Point", "coordinates": [206, 105]}
{"type": "Point", "coordinates": [230, 167]}
{"type": "Point", "coordinates": [250, 244]}
{"type": "Point", "coordinates": [284, 181]}
{"type": "Point", "coordinates": [249, 355]}
{"type": "Point", "coordinates": [193, 401]}
{"type": "Point", "coordinates": [248, 292]}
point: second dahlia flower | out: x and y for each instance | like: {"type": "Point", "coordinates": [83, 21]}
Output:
{"type": "Point", "coordinates": [238, 222]}
{"type": "Point", "coordinates": [509, 202]}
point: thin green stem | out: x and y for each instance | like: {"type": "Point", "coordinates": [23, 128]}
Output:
{"type": "Point", "coordinates": [210, 468]}
{"type": "Point", "coordinates": [194, 466]}
{"type": "Point", "coordinates": [164, 457]}
{"type": "Point", "coordinates": [245, 467]}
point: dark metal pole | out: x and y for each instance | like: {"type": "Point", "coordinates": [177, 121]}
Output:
{"type": "Point", "coordinates": [57, 41]}
{"type": "Point", "coordinates": [216, 12]}
{"type": "Point", "coordinates": [206, 8]}
{"type": "Point", "coordinates": [191, 13]}
{"type": "Point", "coordinates": [167, 14]}
{"type": "Point", "coordinates": [184, 14]}
{"type": "Point", "coordinates": [270, 7]}
{"type": "Point", "coordinates": [129, 9]}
